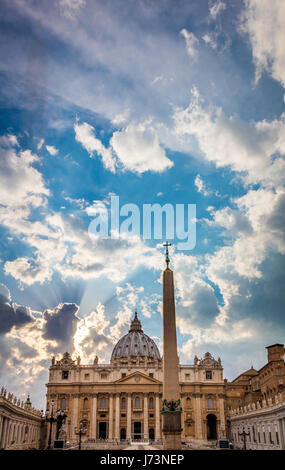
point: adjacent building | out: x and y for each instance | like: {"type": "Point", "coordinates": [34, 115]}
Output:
{"type": "Point", "coordinates": [20, 423]}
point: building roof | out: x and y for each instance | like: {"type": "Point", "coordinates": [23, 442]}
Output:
{"type": "Point", "coordinates": [135, 343]}
{"type": "Point", "coordinates": [250, 372]}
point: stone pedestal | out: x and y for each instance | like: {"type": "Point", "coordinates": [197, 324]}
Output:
{"type": "Point", "coordinates": [171, 428]}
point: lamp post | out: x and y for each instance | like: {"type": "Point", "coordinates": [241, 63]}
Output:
{"type": "Point", "coordinates": [50, 419]}
{"type": "Point", "coordinates": [80, 432]}
{"type": "Point", "coordinates": [244, 435]}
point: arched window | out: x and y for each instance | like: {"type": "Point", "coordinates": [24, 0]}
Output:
{"type": "Point", "coordinates": [85, 403]}
{"type": "Point", "coordinates": [188, 403]}
{"type": "Point", "coordinates": [63, 403]}
{"type": "Point", "coordinates": [151, 405]}
{"type": "Point", "coordinates": [137, 402]}
{"type": "Point", "coordinates": [123, 404]}
{"type": "Point", "coordinates": [103, 402]}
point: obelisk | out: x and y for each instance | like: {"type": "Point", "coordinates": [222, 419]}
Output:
{"type": "Point", "coordinates": [171, 407]}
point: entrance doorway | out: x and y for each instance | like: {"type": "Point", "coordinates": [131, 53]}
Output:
{"type": "Point", "coordinates": [211, 427]}
{"type": "Point", "coordinates": [102, 434]}
{"type": "Point", "coordinates": [151, 434]}
{"type": "Point", "coordinates": [137, 435]}
{"type": "Point", "coordinates": [123, 434]}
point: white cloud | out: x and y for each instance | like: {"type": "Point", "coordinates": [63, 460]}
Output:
{"type": "Point", "coordinates": [138, 149]}
{"type": "Point", "coordinates": [85, 135]}
{"type": "Point", "coordinates": [200, 185]}
{"type": "Point", "coordinates": [51, 150]}
{"type": "Point", "coordinates": [229, 141]}
{"type": "Point", "coordinates": [210, 40]}
{"type": "Point", "coordinates": [20, 183]}
{"type": "Point", "coordinates": [217, 8]}
{"type": "Point", "coordinates": [40, 143]}
{"type": "Point", "coordinates": [264, 22]}
{"type": "Point", "coordinates": [70, 8]}
{"type": "Point", "coordinates": [191, 42]}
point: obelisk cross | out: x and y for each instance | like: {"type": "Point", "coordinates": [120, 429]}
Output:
{"type": "Point", "coordinates": [167, 254]}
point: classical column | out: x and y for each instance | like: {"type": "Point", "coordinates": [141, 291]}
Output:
{"type": "Point", "coordinates": [221, 397]}
{"type": "Point", "coordinates": [198, 415]}
{"type": "Point", "coordinates": [157, 417]}
{"type": "Point", "coordinates": [129, 417]}
{"type": "Point", "coordinates": [171, 413]}
{"type": "Point", "coordinates": [117, 417]}
{"type": "Point", "coordinates": [145, 417]}
{"type": "Point", "coordinates": [94, 417]}
{"type": "Point", "coordinates": [74, 419]}
{"type": "Point", "coordinates": [111, 417]}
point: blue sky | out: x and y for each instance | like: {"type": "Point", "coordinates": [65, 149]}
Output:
{"type": "Point", "coordinates": [155, 102]}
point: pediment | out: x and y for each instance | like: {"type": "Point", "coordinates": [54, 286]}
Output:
{"type": "Point", "coordinates": [138, 378]}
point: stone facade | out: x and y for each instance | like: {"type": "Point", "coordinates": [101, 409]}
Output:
{"type": "Point", "coordinates": [264, 422]}
{"type": "Point", "coordinates": [20, 423]}
{"type": "Point", "coordinates": [122, 400]}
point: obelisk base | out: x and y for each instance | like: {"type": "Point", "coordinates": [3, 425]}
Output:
{"type": "Point", "coordinates": [171, 430]}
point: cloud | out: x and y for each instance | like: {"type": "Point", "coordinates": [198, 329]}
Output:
{"type": "Point", "coordinates": [71, 8]}
{"type": "Point", "coordinates": [40, 144]}
{"type": "Point", "coordinates": [91, 338]}
{"type": "Point", "coordinates": [216, 8]}
{"type": "Point", "coordinates": [211, 40]}
{"type": "Point", "coordinates": [191, 42]}
{"type": "Point", "coordinates": [200, 185]}
{"type": "Point", "coordinates": [60, 325]}
{"type": "Point", "coordinates": [229, 141]}
{"type": "Point", "coordinates": [51, 150]}
{"type": "Point", "coordinates": [85, 135]}
{"type": "Point", "coordinates": [20, 183]}
{"type": "Point", "coordinates": [12, 315]}
{"type": "Point", "coordinates": [135, 147]}
{"type": "Point", "coordinates": [138, 149]}
{"type": "Point", "coordinates": [263, 22]}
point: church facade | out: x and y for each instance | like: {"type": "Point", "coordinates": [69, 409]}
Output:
{"type": "Point", "coordinates": [121, 401]}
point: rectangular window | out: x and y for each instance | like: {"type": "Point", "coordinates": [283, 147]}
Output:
{"type": "Point", "coordinates": [86, 376]}
{"type": "Point", "coordinates": [151, 375]}
{"type": "Point", "coordinates": [277, 438]}
{"type": "Point", "coordinates": [208, 374]}
{"type": "Point", "coordinates": [64, 374]}
{"type": "Point", "coordinates": [104, 376]}
{"type": "Point", "coordinates": [210, 403]}
{"type": "Point", "coordinates": [264, 437]}
{"type": "Point", "coordinates": [63, 403]}
{"type": "Point", "coordinates": [187, 376]}
{"type": "Point", "coordinates": [123, 374]}
{"type": "Point", "coordinates": [258, 436]}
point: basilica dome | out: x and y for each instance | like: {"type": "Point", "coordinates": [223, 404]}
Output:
{"type": "Point", "coordinates": [136, 343]}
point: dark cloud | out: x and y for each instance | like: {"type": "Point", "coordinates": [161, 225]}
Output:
{"type": "Point", "coordinates": [203, 307]}
{"type": "Point", "coordinates": [60, 324]}
{"type": "Point", "coordinates": [12, 315]}
{"type": "Point", "coordinates": [263, 298]}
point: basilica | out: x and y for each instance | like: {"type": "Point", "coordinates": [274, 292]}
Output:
{"type": "Point", "coordinates": [121, 401]}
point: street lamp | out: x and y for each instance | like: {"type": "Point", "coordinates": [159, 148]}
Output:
{"type": "Point", "coordinates": [50, 419]}
{"type": "Point", "coordinates": [80, 432]}
{"type": "Point", "coordinates": [244, 434]}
